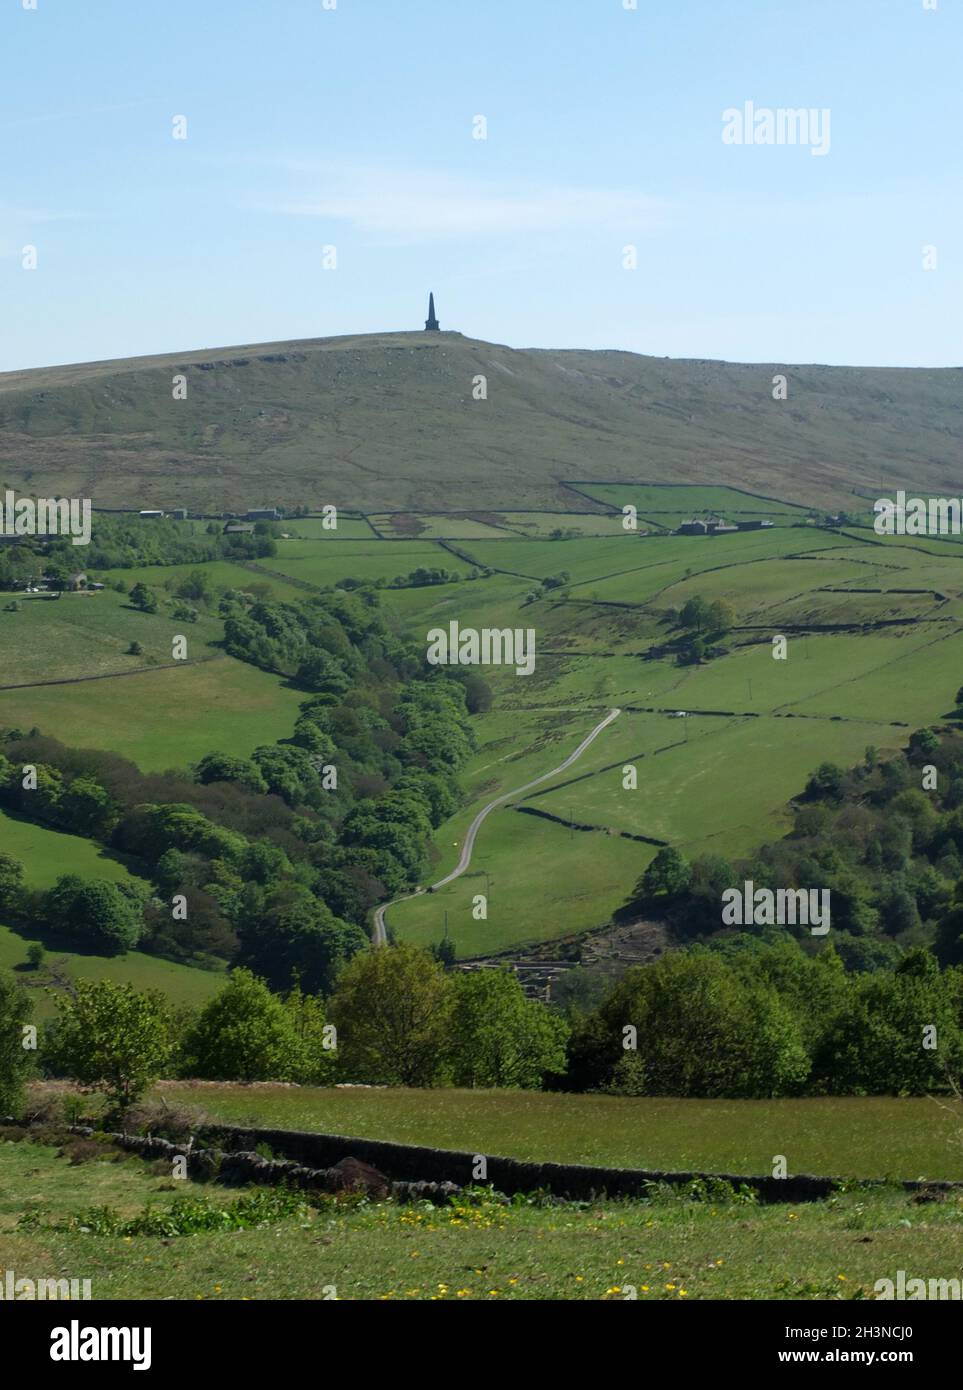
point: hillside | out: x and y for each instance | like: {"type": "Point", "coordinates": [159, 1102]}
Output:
{"type": "Point", "coordinates": [386, 422]}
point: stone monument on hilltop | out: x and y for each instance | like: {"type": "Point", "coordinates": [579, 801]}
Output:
{"type": "Point", "coordinates": [431, 323]}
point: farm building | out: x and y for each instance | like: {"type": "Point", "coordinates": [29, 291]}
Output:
{"type": "Point", "coordinates": [692, 528]}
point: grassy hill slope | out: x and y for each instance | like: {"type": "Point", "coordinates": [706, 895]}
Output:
{"type": "Point", "coordinates": [388, 421]}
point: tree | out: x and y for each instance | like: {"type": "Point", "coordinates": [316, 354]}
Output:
{"type": "Point", "coordinates": [391, 1008]}
{"type": "Point", "coordinates": [12, 886]}
{"type": "Point", "coordinates": [290, 933]}
{"type": "Point", "coordinates": [694, 614]}
{"type": "Point", "coordinates": [497, 1037]}
{"type": "Point", "coordinates": [87, 809]}
{"type": "Point", "coordinates": [478, 694]}
{"type": "Point", "coordinates": [244, 1034]}
{"type": "Point", "coordinates": [143, 598]}
{"type": "Point", "coordinates": [878, 1043]}
{"type": "Point", "coordinates": [701, 1029]}
{"type": "Point", "coordinates": [924, 742]}
{"type": "Point", "coordinates": [97, 915]}
{"type": "Point", "coordinates": [112, 1038]}
{"type": "Point", "coordinates": [711, 875]}
{"type": "Point", "coordinates": [15, 1008]}
{"type": "Point", "coordinates": [220, 767]}
{"type": "Point", "coordinates": [197, 586]}
{"type": "Point", "coordinates": [720, 617]}
{"type": "Point", "coordinates": [948, 945]}
{"type": "Point", "coordinates": [668, 875]}
{"type": "Point", "coordinates": [318, 1057]}
{"type": "Point", "coordinates": [898, 912]}
{"type": "Point", "coordinates": [693, 652]}
{"type": "Point", "coordinates": [826, 782]}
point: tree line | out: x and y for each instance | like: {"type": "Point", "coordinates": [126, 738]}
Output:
{"type": "Point", "coordinates": [744, 1018]}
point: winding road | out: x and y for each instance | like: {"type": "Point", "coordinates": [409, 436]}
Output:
{"type": "Point", "coordinates": [379, 936]}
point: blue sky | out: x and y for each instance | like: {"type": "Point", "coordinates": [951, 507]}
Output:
{"type": "Point", "coordinates": [310, 127]}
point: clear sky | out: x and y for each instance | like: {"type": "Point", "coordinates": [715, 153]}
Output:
{"type": "Point", "coordinates": [310, 127]}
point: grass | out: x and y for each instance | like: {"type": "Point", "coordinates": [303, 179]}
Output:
{"type": "Point", "coordinates": [47, 854]}
{"type": "Point", "coordinates": [183, 984]}
{"type": "Point", "coordinates": [581, 880]}
{"type": "Point", "coordinates": [654, 499]}
{"type": "Point", "coordinates": [89, 635]}
{"type": "Point", "coordinates": [728, 786]}
{"type": "Point", "coordinates": [313, 528]}
{"type": "Point", "coordinates": [866, 1137]}
{"type": "Point", "coordinates": [222, 575]}
{"type": "Point", "coordinates": [321, 565]}
{"type": "Point", "coordinates": [540, 525]}
{"type": "Point", "coordinates": [468, 1251]}
{"type": "Point", "coordinates": [163, 719]}
{"type": "Point", "coordinates": [436, 525]}
{"type": "Point", "coordinates": [690, 795]}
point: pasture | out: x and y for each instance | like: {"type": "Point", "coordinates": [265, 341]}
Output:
{"type": "Point", "coordinates": [166, 718]}
{"type": "Point", "coordinates": [90, 635]}
{"type": "Point", "coordinates": [846, 1137]}
{"type": "Point", "coordinates": [475, 1249]}
{"type": "Point", "coordinates": [183, 984]}
{"type": "Point", "coordinates": [46, 854]}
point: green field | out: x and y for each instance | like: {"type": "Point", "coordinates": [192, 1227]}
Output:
{"type": "Point", "coordinates": [162, 719]}
{"type": "Point", "coordinates": [469, 1251]}
{"type": "Point", "coordinates": [89, 635]}
{"type": "Point", "coordinates": [183, 984]}
{"type": "Point", "coordinates": [873, 1137]}
{"type": "Point", "coordinates": [318, 564]}
{"type": "Point", "coordinates": [47, 854]}
{"type": "Point", "coordinates": [354, 528]}
{"type": "Point", "coordinates": [540, 525]}
{"type": "Point", "coordinates": [691, 796]}
{"type": "Point", "coordinates": [222, 575]}
{"type": "Point", "coordinates": [654, 499]}
{"type": "Point", "coordinates": [581, 880]}
{"type": "Point", "coordinates": [727, 784]}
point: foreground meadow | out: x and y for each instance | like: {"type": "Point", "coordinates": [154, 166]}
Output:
{"type": "Point", "coordinates": [56, 1207]}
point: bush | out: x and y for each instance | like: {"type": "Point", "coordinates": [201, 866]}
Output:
{"type": "Point", "coordinates": [111, 1038]}
{"type": "Point", "coordinates": [243, 1034]}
